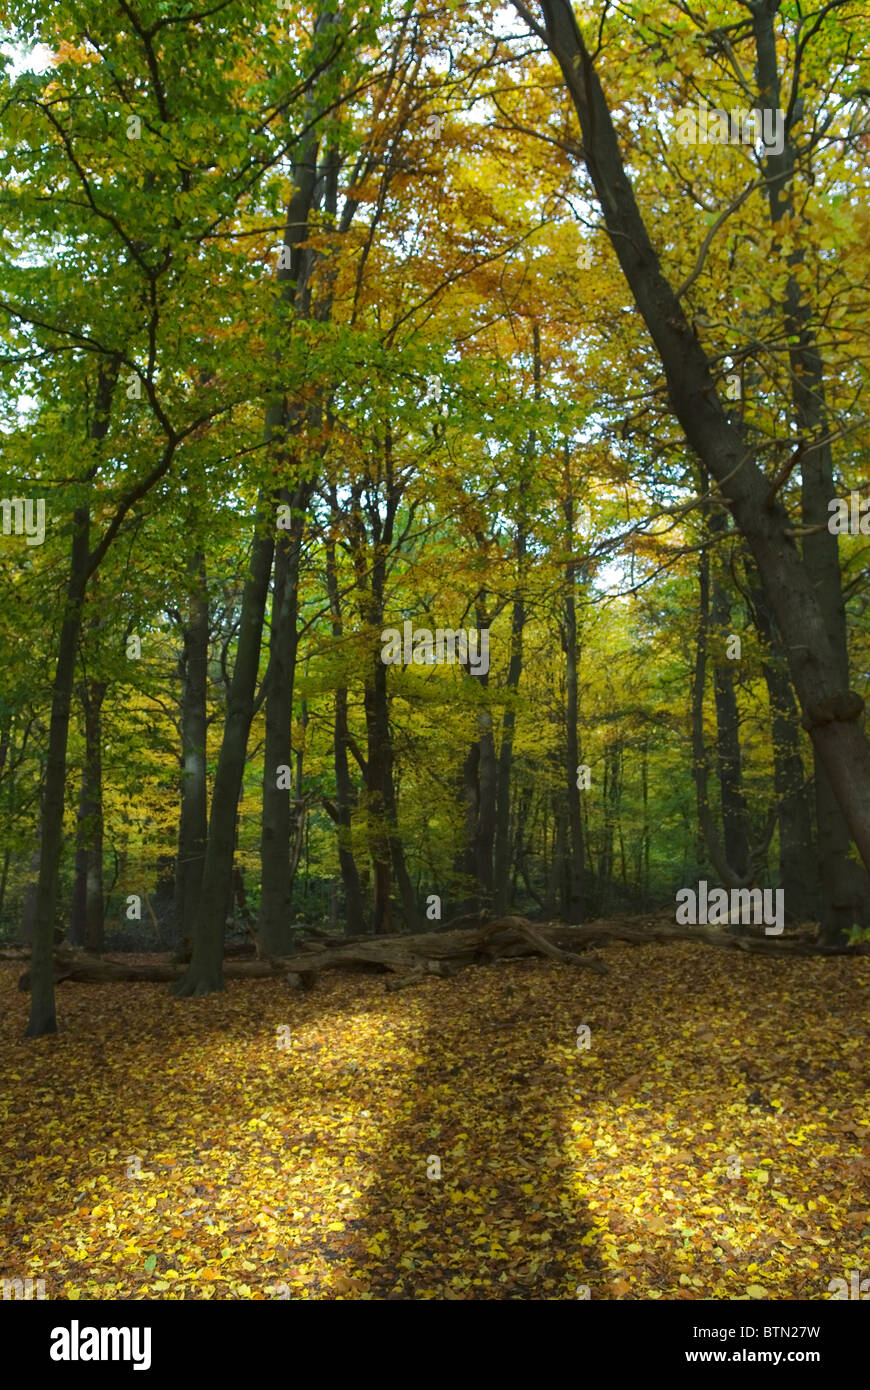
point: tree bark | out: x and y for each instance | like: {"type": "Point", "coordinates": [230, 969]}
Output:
{"type": "Point", "coordinates": [370, 565]}
{"type": "Point", "coordinates": [279, 822]}
{"type": "Point", "coordinates": [501, 834]}
{"type": "Point", "coordinates": [193, 816]}
{"type": "Point", "coordinates": [735, 812]}
{"type": "Point", "coordinates": [708, 836]}
{"type": "Point", "coordinates": [575, 906]}
{"type": "Point", "coordinates": [86, 922]}
{"type": "Point", "coordinates": [798, 869]}
{"type": "Point", "coordinates": [344, 793]}
{"type": "Point", "coordinates": [43, 1018]}
{"type": "Point", "coordinates": [480, 780]}
{"type": "Point", "coordinates": [204, 975]}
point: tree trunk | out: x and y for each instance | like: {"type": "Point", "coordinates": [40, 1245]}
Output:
{"type": "Point", "coordinates": [204, 975]}
{"type": "Point", "coordinates": [382, 799]}
{"type": "Point", "coordinates": [86, 922]}
{"type": "Point", "coordinates": [830, 710]}
{"type": "Point", "coordinates": [193, 817]}
{"type": "Point", "coordinates": [371, 572]}
{"type": "Point", "coordinates": [279, 822]}
{"type": "Point", "coordinates": [735, 813]}
{"type": "Point", "coordinates": [344, 794]}
{"type": "Point", "coordinates": [644, 844]}
{"type": "Point", "coordinates": [43, 1018]}
{"type": "Point", "coordinates": [611, 796]}
{"type": "Point", "coordinates": [485, 829]}
{"type": "Point", "coordinates": [575, 906]}
{"type": "Point", "coordinates": [486, 781]}
{"type": "Point", "coordinates": [79, 905]}
{"type": "Point", "coordinates": [707, 833]}
{"type": "Point", "coordinates": [798, 870]}
{"type": "Point", "coordinates": [471, 801]}
{"type": "Point", "coordinates": [502, 836]}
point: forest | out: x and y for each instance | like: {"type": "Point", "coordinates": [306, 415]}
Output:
{"type": "Point", "coordinates": [434, 649]}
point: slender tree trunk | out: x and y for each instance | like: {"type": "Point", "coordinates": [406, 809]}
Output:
{"type": "Point", "coordinates": [382, 793]}
{"type": "Point", "coordinates": [204, 975]}
{"type": "Point", "coordinates": [556, 887]}
{"type": "Point", "coordinates": [79, 905]}
{"type": "Point", "coordinates": [43, 1018]}
{"type": "Point", "coordinates": [735, 813]}
{"type": "Point", "coordinates": [193, 817]}
{"type": "Point", "coordinates": [502, 838]}
{"type": "Point", "coordinates": [707, 834]}
{"type": "Point", "coordinates": [611, 797]}
{"type": "Point", "coordinates": [484, 763]}
{"type": "Point", "coordinates": [88, 894]}
{"type": "Point", "coordinates": [576, 904]}
{"type": "Point", "coordinates": [644, 787]}
{"type": "Point", "coordinates": [42, 1009]}
{"type": "Point", "coordinates": [279, 821]}
{"type": "Point", "coordinates": [471, 802]}
{"type": "Point", "coordinates": [798, 869]}
{"type": "Point", "coordinates": [505, 762]}
{"type": "Point", "coordinates": [354, 917]}
{"type": "Point", "coordinates": [485, 836]}
{"type": "Point", "coordinates": [387, 848]}
{"type": "Point", "coordinates": [370, 589]}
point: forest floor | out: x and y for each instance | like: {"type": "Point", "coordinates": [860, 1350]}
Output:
{"type": "Point", "coordinates": [712, 1142]}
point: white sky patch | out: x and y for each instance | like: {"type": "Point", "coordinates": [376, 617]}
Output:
{"type": "Point", "coordinates": [35, 59]}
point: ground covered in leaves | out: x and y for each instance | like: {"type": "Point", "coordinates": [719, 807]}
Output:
{"type": "Point", "coordinates": [711, 1142]}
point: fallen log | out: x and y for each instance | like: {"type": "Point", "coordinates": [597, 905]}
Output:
{"type": "Point", "coordinates": [94, 970]}
{"type": "Point", "coordinates": [599, 933]}
{"type": "Point", "coordinates": [429, 953]}
{"type": "Point", "coordinates": [410, 959]}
